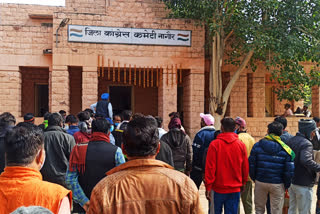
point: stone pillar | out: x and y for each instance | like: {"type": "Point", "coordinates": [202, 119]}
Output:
{"type": "Point", "coordinates": [315, 101]}
{"type": "Point", "coordinates": [59, 89]}
{"type": "Point", "coordinates": [89, 86]}
{"type": "Point", "coordinates": [10, 87]}
{"type": "Point", "coordinates": [193, 101]}
{"type": "Point", "coordinates": [258, 94]}
{"type": "Point", "coordinates": [167, 96]}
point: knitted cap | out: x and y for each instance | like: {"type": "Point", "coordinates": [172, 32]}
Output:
{"type": "Point", "coordinates": [241, 122]}
{"type": "Point", "coordinates": [306, 127]}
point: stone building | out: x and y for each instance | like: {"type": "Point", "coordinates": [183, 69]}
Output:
{"type": "Point", "coordinates": [54, 58]}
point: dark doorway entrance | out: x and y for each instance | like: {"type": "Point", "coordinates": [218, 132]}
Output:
{"type": "Point", "coordinates": [120, 98]}
{"type": "Point", "coordinates": [41, 99]}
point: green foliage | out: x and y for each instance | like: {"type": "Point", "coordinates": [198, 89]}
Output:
{"type": "Point", "coordinates": [282, 34]}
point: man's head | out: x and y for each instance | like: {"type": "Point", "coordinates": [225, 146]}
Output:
{"type": "Point", "coordinates": [305, 108]}
{"type": "Point", "coordinates": [105, 96]}
{"type": "Point", "coordinates": [287, 106]}
{"type": "Point", "coordinates": [7, 119]}
{"type": "Point", "coordinates": [206, 120]}
{"type": "Point", "coordinates": [46, 116]}
{"type": "Point", "coordinates": [307, 128]}
{"type": "Point", "coordinates": [281, 120]}
{"type": "Point", "coordinates": [83, 116]}
{"type": "Point", "coordinates": [28, 117]}
{"type": "Point", "coordinates": [228, 124]}
{"type": "Point", "coordinates": [126, 115]}
{"type": "Point", "coordinates": [71, 120]}
{"type": "Point", "coordinates": [91, 113]}
{"type": "Point", "coordinates": [159, 121]}
{"type": "Point", "coordinates": [241, 124]}
{"type": "Point", "coordinates": [174, 114]}
{"type": "Point", "coordinates": [141, 138]}
{"type": "Point", "coordinates": [63, 113]}
{"type": "Point", "coordinates": [55, 119]}
{"type": "Point", "coordinates": [24, 146]}
{"type": "Point", "coordinates": [317, 120]}
{"type": "Point", "coordinates": [116, 119]}
{"type": "Point", "coordinates": [275, 128]}
{"type": "Point", "coordinates": [101, 125]}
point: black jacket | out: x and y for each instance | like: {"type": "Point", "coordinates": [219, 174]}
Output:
{"type": "Point", "coordinates": [102, 108]}
{"type": "Point", "coordinates": [305, 166]}
{"type": "Point", "coordinates": [165, 154]}
{"type": "Point", "coordinates": [3, 131]}
{"type": "Point", "coordinates": [58, 145]}
{"type": "Point", "coordinates": [316, 142]}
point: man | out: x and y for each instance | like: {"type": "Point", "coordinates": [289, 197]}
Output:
{"type": "Point", "coordinates": [89, 163]}
{"type": "Point", "coordinates": [103, 107]}
{"type": "Point", "coordinates": [316, 139]}
{"type": "Point", "coordinates": [28, 118]}
{"type": "Point", "coordinates": [143, 184]}
{"type": "Point", "coordinates": [58, 146]}
{"type": "Point", "coordinates": [7, 122]}
{"type": "Point", "coordinates": [247, 139]}
{"type": "Point", "coordinates": [181, 146]}
{"type": "Point", "coordinates": [21, 182]}
{"type": "Point", "coordinates": [160, 126]}
{"type": "Point", "coordinates": [118, 132]}
{"type": "Point", "coordinates": [285, 134]}
{"type": "Point", "coordinates": [305, 170]}
{"type": "Point", "coordinates": [226, 169]}
{"type": "Point", "coordinates": [44, 125]}
{"type": "Point", "coordinates": [116, 120]}
{"type": "Point", "coordinates": [305, 111]}
{"type": "Point", "coordinates": [288, 112]}
{"type": "Point", "coordinates": [201, 142]}
{"type": "Point", "coordinates": [271, 168]}
{"type": "Point", "coordinates": [72, 122]}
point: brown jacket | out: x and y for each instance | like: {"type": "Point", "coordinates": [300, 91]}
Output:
{"type": "Point", "coordinates": [145, 186]}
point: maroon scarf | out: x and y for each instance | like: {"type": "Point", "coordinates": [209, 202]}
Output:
{"type": "Point", "coordinates": [175, 123]}
{"type": "Point", "coordinates": [79, 152]}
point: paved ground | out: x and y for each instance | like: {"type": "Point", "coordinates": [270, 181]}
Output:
{"type": "Point", "coordinates": [204, 201]}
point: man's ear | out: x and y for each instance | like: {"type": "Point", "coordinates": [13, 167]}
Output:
{"type": "Point", "coordinates": [158, 149]}
{"type": "Point", "coordinates": [123, 150]}
{"type": "Point", "coordinates": [40, 156]}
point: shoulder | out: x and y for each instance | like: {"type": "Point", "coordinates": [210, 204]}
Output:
{"type": "Point", "coordinates": [53, 189]}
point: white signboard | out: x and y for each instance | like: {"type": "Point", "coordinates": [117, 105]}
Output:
{"type": "Point", "coordinates": [138, 36]}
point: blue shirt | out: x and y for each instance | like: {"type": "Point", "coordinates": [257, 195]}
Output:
{"type": "Point", "coordinates": [72, 130]}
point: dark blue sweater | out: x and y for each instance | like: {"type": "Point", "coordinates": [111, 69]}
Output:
{"type": "Point", "coordinates": [270, 163]}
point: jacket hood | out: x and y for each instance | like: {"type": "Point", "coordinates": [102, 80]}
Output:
{"type": "Point", "coordinates": [228, 137]}
{"type": "Point", "coordinates": [269, 146]}
{"type": "Point", "coordinates": [176, 137]}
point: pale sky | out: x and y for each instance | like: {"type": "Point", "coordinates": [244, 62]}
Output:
{"type": "Point", "coordinates": [39, 2]}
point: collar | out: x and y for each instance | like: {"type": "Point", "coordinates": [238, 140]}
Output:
{"type": "Point", "coordinates": [139, 163]}
{"type": "Point", "coordinates": [55, 128]}
{"type": "Point", "coordinates": [21, 172]}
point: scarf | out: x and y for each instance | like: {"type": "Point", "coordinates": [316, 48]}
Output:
{"type": "Point", "coordinates": [45, 123]}
{"type": "Point", "coordinates": [174, 123]}
{"type": "Point", "coordinates": [277, 139]}
{"type": "Point", "coordinates": [79, 152]}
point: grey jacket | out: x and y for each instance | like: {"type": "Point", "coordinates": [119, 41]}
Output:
{"type": "Point", "coordinates": [181, 146]}
{"type": "Point", "coordinates": [58, 145]}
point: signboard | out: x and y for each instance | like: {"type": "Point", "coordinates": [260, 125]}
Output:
{"type": "Point", "coordinates": [137, 36]}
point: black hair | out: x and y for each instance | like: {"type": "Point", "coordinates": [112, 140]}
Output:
{"type": "Point", "coordinates": [71, 119]}
{"type": "Point", "coordinates": [281, 120]}
{"type": "Point", "coordinates": [126, 115]}
{"type": "Point", "coordinates": [101, 125]}
{"type": "Point", "coordinates": [228, 124]}
{"type": "Point", "coordinates": [62, 112]}
{"type": "Point", "coordinates": [174, 114]}
{"type": "Point", "coordinates": [7, 119]}
{"type": "Point", "coordinates": [287, 105]}
{"type": "Point", "coordinates": [46, 116]}
{"type": "Point", "coordinates": [28, 116]}
{"type": "Point", "coordinates": [117, 115]}
{"type": "Point", "coordinates": [26, 125]}
{"type": "Point", "coordinates": [55, 119]}
{"type": "Point", "coordinates": [83, 116]}
{"type": "Point", "coordinates": [22, 143]}
{"type": "Point", "coordinates": [136, 115]}
{"type": "Point", "coordinates": [90, 111]}
{"type": "Point", "coordinates": [159, 121]}
{"type": "Point", "coordinates": [316, 119]}
{"type": "Point", "coordinates": [141, 138]}
{"type": "Point", "coordinates": [275, 128]}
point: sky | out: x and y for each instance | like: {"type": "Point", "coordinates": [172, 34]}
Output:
{"type": "Point", "coordinates": [39, 2]}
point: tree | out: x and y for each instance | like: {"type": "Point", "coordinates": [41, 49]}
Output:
{"type": "Point", "coordinates": [278, 33]}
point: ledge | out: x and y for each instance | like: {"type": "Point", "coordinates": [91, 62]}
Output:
{"type": "Point", "coordinates": [40, 16]}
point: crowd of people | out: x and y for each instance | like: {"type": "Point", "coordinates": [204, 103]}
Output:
{"type": "Point", "coordinates": [97, 162]}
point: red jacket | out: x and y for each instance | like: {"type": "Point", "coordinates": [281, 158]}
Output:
{"type": "Point", "coordinates": [227, 165]}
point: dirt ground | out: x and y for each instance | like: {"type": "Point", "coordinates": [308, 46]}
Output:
{"type": "Point", "coordinates": [204, 201]}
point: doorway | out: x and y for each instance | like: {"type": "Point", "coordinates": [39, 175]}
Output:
{"type": "Point", "coordinates": [120, 98]}
{"type": "Point", "coordinates": [41, 99]}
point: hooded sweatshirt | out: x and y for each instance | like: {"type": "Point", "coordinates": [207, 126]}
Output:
{"type": "Point", "coordinates": [227, 165]}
